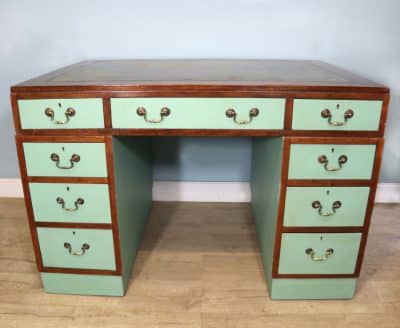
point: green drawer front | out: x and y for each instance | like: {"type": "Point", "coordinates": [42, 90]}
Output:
{"type": "Point", "coordinates": [88, 113]}
{"type": "Point", "coordinates": [100, 254]}
{"type": "Point", "coordinates": [92, 161]}
{"type": "Point", "coordinates": [198, 113]}
{"type": "Point", "coordinates": [307, 114]}
{"type": "Point", "coordinates": [304, 161]}
{"type": "Point", "coordinates": [48, 207]}
{"type": "Point", "coordinates": [295, 260]}
{"type": "Point", "coordinates": [337, 206]}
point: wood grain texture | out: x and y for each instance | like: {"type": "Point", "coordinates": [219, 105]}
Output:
{"type": "Point", "coordinates": [198, 266]}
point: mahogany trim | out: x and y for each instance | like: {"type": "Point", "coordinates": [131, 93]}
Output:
{"type": "Point", "coordinates": [107, 113]}
{"type": "Point", "coordinates": [113, 203]}
{"type": "Point", "coordinates": [313, 276]}
{"type": "Point", "coordinates": [328, 183]}
{"type": "Point", "coordinates": [288, 113]}
{"type": "Point", "coordinates": [63, 138]}
{"type": "Point", "coordinates": [322, 229]}
{"type": "Point", "coordinates": [77, 225]}
{"type": "Point", "coordinates": [80, 271]}
{"type": "Point", "coordinates": [88, 180]}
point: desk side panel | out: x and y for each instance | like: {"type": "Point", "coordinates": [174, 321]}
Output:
{"type": "Point", "coordinates": [265, 190]}
{"type": "Point", "coordinates": [133, 187]}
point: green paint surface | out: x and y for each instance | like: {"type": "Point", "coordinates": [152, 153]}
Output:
{"type": "Point", "coordinates": [62, 283]}
{"type": "Point", "coordinates": [265, 188]}
{"type": "Point", "coordinates": [133, 184]}
{"type": "Point", "coordinates": [92, 159]}
{"type": "Point", "coordinates": [307, 114]}
{"type": "Point", "coordinates": [88, 113]}
{"type": "Point", "coordinates": [96, 207]}
{"type": "Point", "coordinates": [303, 163]}
{"type": "Point", "coordinates": [293, 258]}
{"type": "Point", "coordinates": [289, 289]}
{"type": "Point", "coordinates": [198, 113]}
{"type": "Point", "coordinates": [299, 211]}
{"type": "Point", "coordinates": [100, 255]}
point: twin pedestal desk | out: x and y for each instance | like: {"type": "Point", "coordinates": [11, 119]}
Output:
{"type": "Point", "coordinates": [83, 137]}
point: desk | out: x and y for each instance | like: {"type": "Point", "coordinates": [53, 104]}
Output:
{"type": "Point", "coordinates": [84, 133]}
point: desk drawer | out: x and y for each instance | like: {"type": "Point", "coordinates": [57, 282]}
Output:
{"type": "Point", "coordinates": [72, 202]}
{"type": "Point", "coordinates": [331, 161]}
{"type": "Point", "coordinates": [65, 159]}
{"type": "Point", "coordinates": [198, 113]}
{"type": "Point", "coordinates": [77, 248]}
{"type": "Point", "coordinates": [61, 113]}
{"type": "Point", "coordinates": [325, 206]}
{"type": "Point", "coordinates": [315, 253]}
{"type": "Point", "coordinates": [340, 115]}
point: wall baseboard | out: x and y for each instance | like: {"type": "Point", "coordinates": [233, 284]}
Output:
{"type": "Point", "coordinates": [235, 192]}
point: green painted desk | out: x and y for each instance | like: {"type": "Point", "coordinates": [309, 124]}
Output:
{"type": "Point", "coordinates": [84, 133]}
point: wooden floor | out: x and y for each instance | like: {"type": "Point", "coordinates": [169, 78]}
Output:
{"type": "Point", "coordinates": [198, 266]}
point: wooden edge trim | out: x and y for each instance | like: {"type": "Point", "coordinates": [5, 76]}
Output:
{"type": "Point", "coordinates": [75, 225]}
{"type": "Point", "coordinates": [64, 138]}
{"type": "Point", "coordinates": [371, 200]}
{"type": "Point", "coordinates": [82, 180]}
{"type": "Point", "coordinates": [107, 113]}
{"type": "Point", "coordinates": [15, 112]}
{"type": "Point", "coordinates": [28, 203]}
{"type": "Point", "coordinates": [336, 140]}
{"type": "Point", "coordinates": [384, 113]}
{"type": "Point", "coordinates": [113, 203]}
{"type": "Point", "coordinates": [313, 276]}
{"type": "Point", "coordinates": [328, 183]}
{"type": "Point", "coordinates": [80, 271]}
{"type": "Point", "coordinates": [281, 206]}
{"type": "Point", "coordinates": [321, 229]}
{"type": "Point", "coordinates": [288, 113]}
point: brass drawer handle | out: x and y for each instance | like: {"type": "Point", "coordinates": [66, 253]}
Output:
{"type": "Point", "coordinates": [232, 113]}
{"type": "Point", "coordinates": [61, 201]}
{"type": "Point", "coordinates": [164, 112]}
{"type": "Point", "coordinates": [326, 114]}
{"type": "Point", "coordinates": [315, 258]}
{"type": "Point", "coordinates": [56, 158]}
{"type": "Point", "coordinates": [324, 160]}
{"type": "Point", "coordinates": [317, 205]}
{"type": "Point", "coordinates": [68, 113]}
{"type": "Point", "coordinates": [81, 252]}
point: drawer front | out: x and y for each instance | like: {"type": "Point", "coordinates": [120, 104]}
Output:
{"type": "Point", "coordinates": [59, 159]}
{"type": "Point", "coordinates": [336, 115]}
{"type": "Point", "coordinates": [77, 248]}
{"type": "Point", "coordinates": [61, 113]}
{"type": "Point", "coordinates": [325, 206]}
{"type": "Point", "coordinates": [72, 202]}
{"type": "Point", "coordinates": [198, 113]}
{"type": "Point", "coordinates": [314, 253]}
{"type": "Point", "coordinates": [329, 161]}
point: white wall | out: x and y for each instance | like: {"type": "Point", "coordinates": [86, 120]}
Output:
{"type": "Point", "coordinates": [360, 35]}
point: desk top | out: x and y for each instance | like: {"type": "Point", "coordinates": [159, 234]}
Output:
{"type": "Point", "coordinates": [277, 75]}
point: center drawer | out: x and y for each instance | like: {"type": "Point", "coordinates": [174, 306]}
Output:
{"type": "Point", "coordinates": [63, 159]}
{"type": "Point", "coordinates": [77, 248]}
{"type": "Point", "coordinates": [72, 202]}
{"type": "Point", "coordinates": [198, 113]}
{"type": "Point", "coordinates": [319, 253]}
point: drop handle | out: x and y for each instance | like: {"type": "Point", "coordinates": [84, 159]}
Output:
{"type": "Point", "coordinates": [326, 114]}
{"type": "Point", "coordinates": [323, 258]}
{"type": "Point", "coordinates": [77, 203]}
{"type": "Point", "coordinates": [81, 252]}
{"type": "Point", "coordinates": [323, 159]}
{"type": "Point", "coordinates": [231, 113]}
{"type": "Point", "coordinates": [70, 112]}
{"type": "Point", "coordinates": [164, 112]}
{"type": "Point", "coordinates": [317, 205]}
{"type": "Point", "coordinates": [75, 158]}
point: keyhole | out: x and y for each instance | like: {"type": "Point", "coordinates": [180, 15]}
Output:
{"type": "Point", "coordinates": [332, 150]}
{"type": "Point", "coordinates": [327, 192]}
{"type": "Point", "coordinates": [59, 105]}
{"type": "Point", "coordinates": [320, 238]}
{"type": "Point", "coordinates": [67, 188]}
{"type": "Point", "coordinates": [73, 232]}
{"type": "Point", "coordinates": [337, 106]}
{"type": "Point", "coordinates": [63, 149]}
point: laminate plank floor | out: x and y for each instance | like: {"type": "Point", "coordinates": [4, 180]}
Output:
{"type": "Point", "coordinates": [198, 266]}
